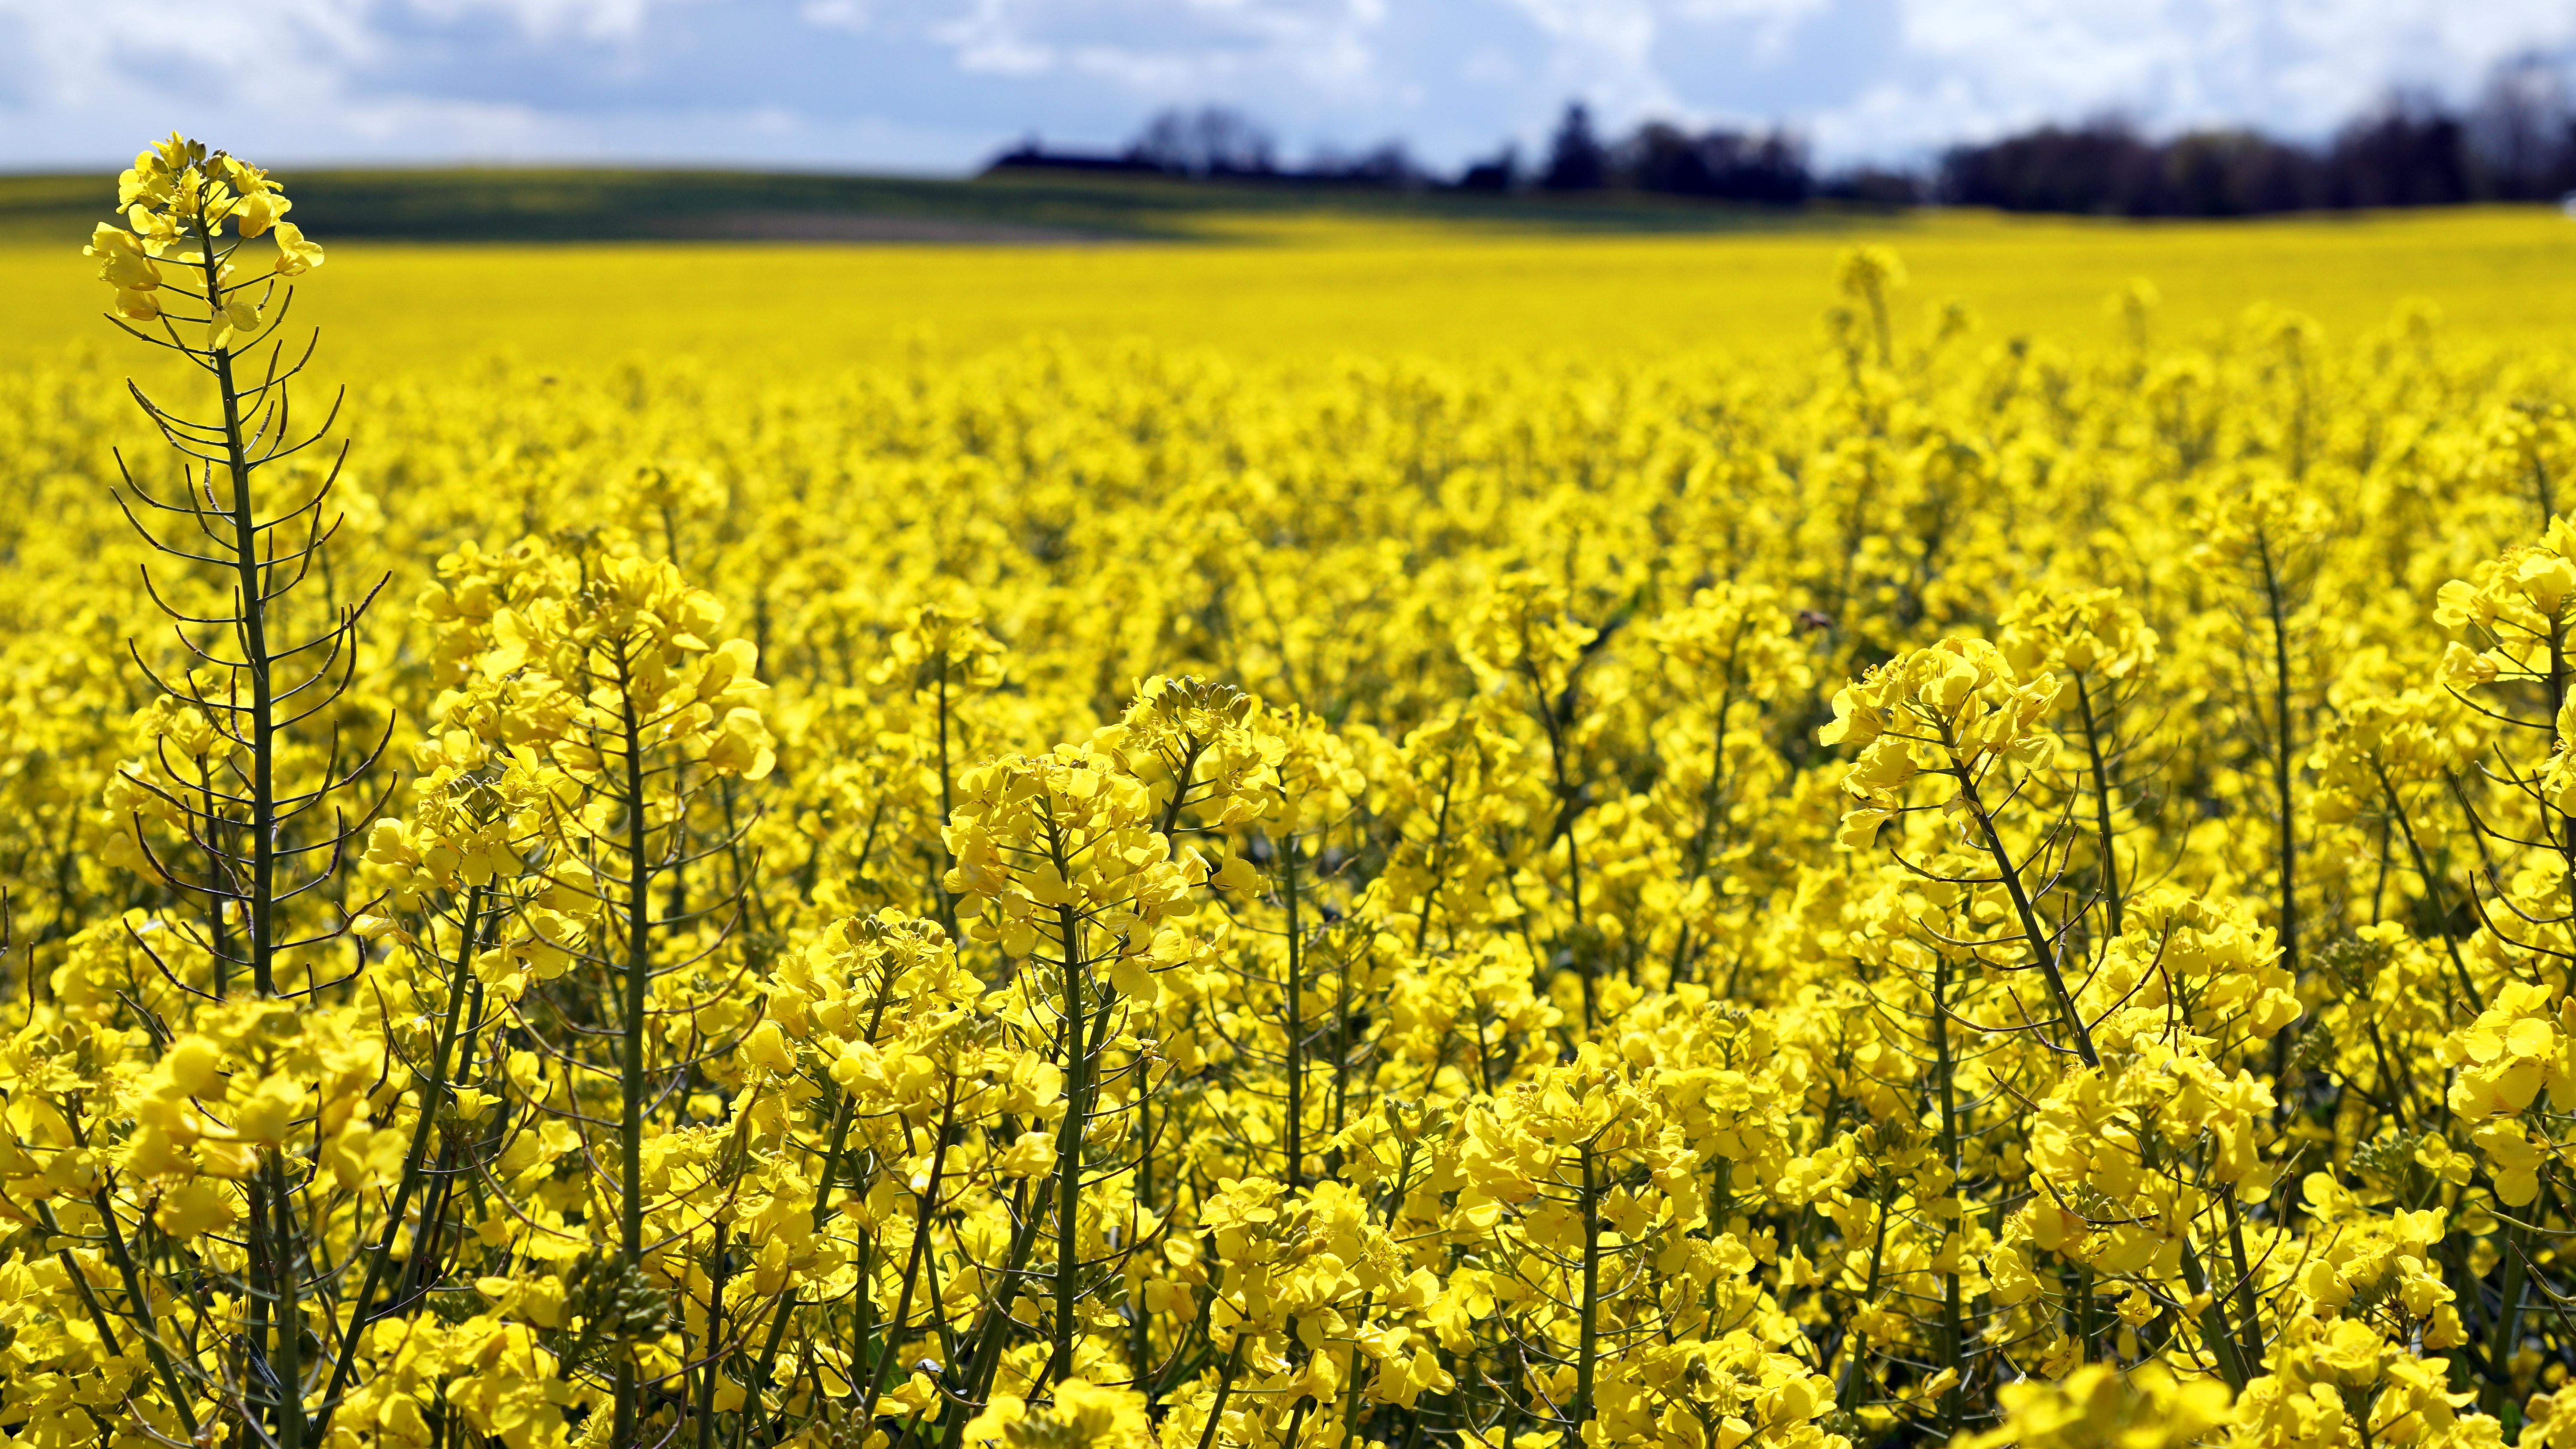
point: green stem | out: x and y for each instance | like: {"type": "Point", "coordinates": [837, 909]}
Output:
{"type": "Point", "coordinates": [1711, 801]}
{"type": "Point", "coordinates": [1293, 1132]}
{"type": "Point", "coordinates": [2507, 1327]}
{"type": "Point", "coordinates": [2249, 1320]}
{"type": "Point", "coordinates": [143, 1320]}
{"type": "Point", "coordinates": [433, 1093]}
{"type": "Point", "coordinates": [1224, 1385]}
{"type": "Point", "coordinates": [260, 730]}
{"type": "Point", "coordinates": [947, 807]}
{"type": "Point", "coordinates": [1068, 1257]}
{"type": "Point", "coordinates": [977, 1383]}
{"type": "Point", "coordinates": [2213, 1320]}
{"type": "Point", "coordinates": [822, 1212]}
{"type": "Point", "coordinates": [1953, 1330]}
{"type": "Point", "coordinates": [2274, 605]}
{"type": "Point", "coordinates": [1588, 1351]}
{"type": "Point", "coordinates": [2111, 897]}
{"type": "Point", "coordinates": [639, 964]}
{"type": "Point", "coordinates": [2032, 935]}
{"type": "Point", "coordinates": [714, 1340]}
{"type": "Point", "coordinates": [912, 1262]}
{"type": "Point", "coordinates": [288, 1361]}
{"type": "Point", "coordinates": [2432, 887]}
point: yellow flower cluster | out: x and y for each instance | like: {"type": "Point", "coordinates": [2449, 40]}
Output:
{"type": "Point", "coordinates": [177, 200]}
{"type": "Point", "coordinates": [1967, 894]}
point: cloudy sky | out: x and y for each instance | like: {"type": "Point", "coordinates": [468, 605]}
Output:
{"type": "Point", "coordinates": [937, 85]}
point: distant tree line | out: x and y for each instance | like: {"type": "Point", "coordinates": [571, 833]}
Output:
{"type": "Point", "coordinates": [1222, 143]}
{"type": "Point", "coordinates": [2516, 141]}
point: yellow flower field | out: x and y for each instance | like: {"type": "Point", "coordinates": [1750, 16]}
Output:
{"type": "Point", "coordinates": [1373, 838]}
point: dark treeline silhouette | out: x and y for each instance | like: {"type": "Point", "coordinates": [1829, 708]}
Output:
{"type": "Point", "coordinates": [1219, 142]}
{"type": "Point", "coordinates": [2515, 142]}
{"type": "Point", "coordinates": [1658, 156]}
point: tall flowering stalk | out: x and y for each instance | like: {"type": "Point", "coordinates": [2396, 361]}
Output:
{"type": "Point", "coordinates": [216, 1153]}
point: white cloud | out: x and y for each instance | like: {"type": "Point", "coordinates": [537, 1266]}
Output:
{"type": "Point", "coordinates": [852, 15]}
{"type": "Point", "coordinates": [1773, 22]}
{"type": "Point", "coordinates": [1169, 48]}
{"type": "Point", "coordinates": [1605, 50]}
{"type": "Point", "coordinates": [591, 19]}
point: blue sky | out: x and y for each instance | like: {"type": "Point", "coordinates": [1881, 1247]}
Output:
{"type": "Point", "coordinates": [938, 85]}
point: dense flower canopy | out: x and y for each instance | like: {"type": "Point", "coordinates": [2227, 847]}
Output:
{"type": "Point", "coordinates": [1972, 892]}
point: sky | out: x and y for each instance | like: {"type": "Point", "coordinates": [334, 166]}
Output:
{"type": "Point", "coordinates": [938, 86]}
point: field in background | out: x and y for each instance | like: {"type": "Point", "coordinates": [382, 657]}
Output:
{"type": "Point", "coordinates": [1256, 272]}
